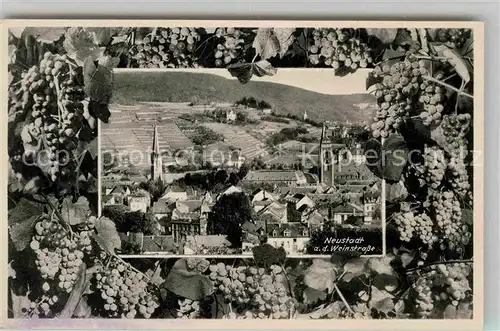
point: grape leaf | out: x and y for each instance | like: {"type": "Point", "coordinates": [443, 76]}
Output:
{"type": "Point", "coordinates": [321, 275]}
{"type": "Point", "coordinates": [381, 265]}
{"type": "Point", "coordinates": [75, 213]}
{"type": "Point", "coordinates": [22, 231]}
{"type": "Point", "coordinates": [101, 35]}
{"type": "Point", "coordinates": [392, 54]}
{"type": "Point", "coordinates": [242, 71]}
{"type": "Point", "coordinates": [386, 36]}
{"type": "Point", "coordinates": [396, 192]}
{"type": "Point", "coordinates": [270, 42]}
{"type": "Point", "coordinates": [355, 268]}
{"type": "Point", "coordinates": [312, 295]}
{"type": "Point", "coordinates": [381, 300]}
{"type": "Point", "coordinates": [47, 35]}
{"type": "Point", "coordinates": [98, 81]}
{"type": "Point", "coordinates": [454, 59]}
{"type": "Point", "coordinates": [109, 62]}
{"type": "Point", "coordinates": [265, 255]}
{"type": "Point", "coordinates": [17, 31]}
{"type": "Point", "coordinates": [263, 68]}
{"type": "Point", "coordinates": [394, 157]}
{"type": "Point", "coordinates": [20, 304]}
{"type": "Point", "coordinates": [187, 284]}
{"type": "Point", "coordinates": [24, 209]}
{"type": "Point", "coordinates": [467, 216]}
{"type": "Point", "coordinates": [99, 110]}
{"type": "Point", "coordinates": [107, 237]}
{"type": "Point", "coordinates": [79, 45]}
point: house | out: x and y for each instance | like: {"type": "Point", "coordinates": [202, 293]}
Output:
{"type": "Point", "coordinates": [371, 207]}
{"type": "Point", "coordinates": [297, 205]}
{"type": "Point", "coordinates": [230, 190]}
{"type": "Point", "coordinates": [120, 193]}
{"type": "Point", "coordinates": [174, 194]}
{"type": "Point", "coordinates": [139, 201]}
{"type": "Point", "coordinates": [267, 111]}
{"type": "Point", "coordinates": [161, 208]}
{"type": "Point", "coordinates": [230, 116]}
{"type": "Point", "coordinates": [341, 212]}
{"type": "Point", "coordinates": [293, 237]}
{"type": "Point", "coordinates": [189, 218]}
{"type": "Point", "coordinates": [276, 212]}
{"type": "Point", "coordinates": [235, 160]}
{"type": "Point", "coordinates": [278, 177]}
{"type": "Point", "coordinates": [262, 195]}
{"type": "Point", "coordinates": [108, 200]}
{"type": "Point", "coordinates": [305, 116]}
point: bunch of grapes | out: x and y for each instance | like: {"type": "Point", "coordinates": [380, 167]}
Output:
{"type": "Point", "coordinates": [167, 48]}
{"type": "Point", "coordinates": [453, 232]}
{"type": "Point", "coordinates": [432, 97]}
{"type": "Point", "coordinates": [451, 282]}
{"type": "Point", "coordinates": [254, 288]}
{"type": "Point", "coordinates": [124, 291]}
{"type": "Point", "coordinates": [454, 38]}
{"type": "Point", "coordinates": [434, 166]}
{"type": "Point", "coordinates": [59, 256]}
{"type": "Point", "coordinates": [401, 82]}
{"type": "Point", "coordinates": [454, 129]}
{"type": "Point", "coordinates": [423, 296]}
{"type": "Point", "coordinates": [459, 177]}
{"type": "Point", "coordinates": [339, 48]}
{"type": "Point", "coordinates": [188, 309]}
{"type": "Point", "coordinates": [229, 47]}
{"type": "Point", "coordinates": [57, 121]}
{"type": "Point", "coordinates": [441, 284]}
{"type": "Point", "coordinates": [412, 225]}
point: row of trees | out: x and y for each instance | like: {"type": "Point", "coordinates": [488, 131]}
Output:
{"type": "Point", "coordinates": [132, 221]}
{"type": "Point", "coordinates": [252, 102]}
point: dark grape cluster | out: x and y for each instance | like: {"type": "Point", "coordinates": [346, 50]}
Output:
{"type": "Point", "coordinates": [338, 48]}
{"type": "Point", "coordinates": [257, 289]}
{"type": "Point", "coordinates": [56, 122]}
{"type": "Point", "coordinates": [454, 38]}
{"type": "Point", "coordinates": [452, 231]}
{"type": "Point", "coordinates": [401, 82]}
{"type": "Point", "coordinates": [124, 291]}
{"type": "Point", "coordinates": [229, 46]}
{"type": "Point", "coordinates": [167, 48]}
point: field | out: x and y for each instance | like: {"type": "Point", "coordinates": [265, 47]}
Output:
{"type": "Point", "coordinates": [239, 138]}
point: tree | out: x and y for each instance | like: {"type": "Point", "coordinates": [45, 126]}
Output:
{"type": "Point", "coordinates": [229, 213]}
{"type": "Point", "coordinates": [155, 188]}
{"type": "Point", "coordinates": [115, 213]}
{"type": "Point", "coordinates": [234, 179]}
{"type": "Point", "coordinates": [243, 171]}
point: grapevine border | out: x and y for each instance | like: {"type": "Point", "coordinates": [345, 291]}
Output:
{"type": "Point", "coordinates": [475, 209]}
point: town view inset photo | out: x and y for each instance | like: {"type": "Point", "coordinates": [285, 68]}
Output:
{"type": "Point", "coordinates": [196, 163]}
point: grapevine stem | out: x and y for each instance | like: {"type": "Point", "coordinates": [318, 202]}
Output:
{"type": "Point", "coordinates": [58, 214]}
{"type": "Point", "coordinates": [256, 54]}
{"type": "Point", "coordinates": [439, 262]}
{"type": "Point", "coordinates": [432, 79]}
{"type": "Point", "coordinates": [343, 299]}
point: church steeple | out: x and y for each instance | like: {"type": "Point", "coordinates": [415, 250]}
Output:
{"type": "Point", "coordinates": [156, 160]}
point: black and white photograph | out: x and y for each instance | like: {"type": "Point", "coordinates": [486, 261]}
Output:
{"type": "Point", "coordinates": [218, 170]}
{"type": "Point", "coordinates": [204, 165]}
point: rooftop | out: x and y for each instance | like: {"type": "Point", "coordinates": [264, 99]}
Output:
{"type": "Point", "coordinates": [277, 176]}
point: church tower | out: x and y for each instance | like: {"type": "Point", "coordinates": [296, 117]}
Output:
{"type": "Point", "coordinates": [156, 160]}
{"type": "Point", "coordinates": [326, 157]}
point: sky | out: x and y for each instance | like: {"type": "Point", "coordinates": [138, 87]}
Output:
{"type": "Point", "coordinates": [317, 80]}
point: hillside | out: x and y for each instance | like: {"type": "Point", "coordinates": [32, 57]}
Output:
{"type": "Point", "coordinates": [135, 87]}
